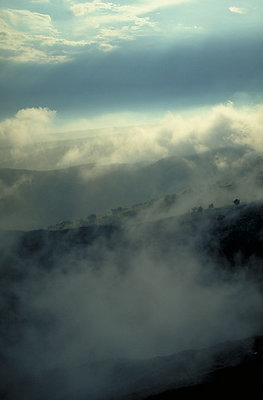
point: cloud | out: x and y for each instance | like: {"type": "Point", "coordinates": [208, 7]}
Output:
{"type": "Point", "coordinates": [91, 26]}
{"type": "Point", "coordinates": [31, 37]}
{"type": "Point", "coordinates": [11, 190]}
{"type": "Point", "coordinates": [115, 22]}
{"type": "Point", "coordinates": [138, 8]}
{"type": "Point", "coordinates": [28, 21]}
{"type": "Point", "coordinates": [27, 126]}
{"type": "Point", "coordinates": [173, 134]}
{"type": "Point", "coordinates": [218, 127]}
{"type": "Point", "coordinates": [216, 153]}
{"type": "Point", "coordinates": [139, 77]}
{"type": "Point", "coordinates": [108, 23]}
{"type": "Point", "coordinates": [237, 10]}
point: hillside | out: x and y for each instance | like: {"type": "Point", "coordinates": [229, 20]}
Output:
{"type": "Point", "coordinates": [60, 288]}
{"type": "Point", "coordinates": [36, 199]}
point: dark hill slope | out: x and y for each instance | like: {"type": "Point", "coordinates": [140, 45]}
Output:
{"type": "Point", "coordinates": [232, 236]}
{"type": "Point", "coordinates": [224, 240]}
{"type": "Point", "coordinates": [235, 375]}
{"type": "Point", "coordinates": [36, 199]}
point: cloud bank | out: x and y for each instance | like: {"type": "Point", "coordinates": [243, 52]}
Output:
{"type": "Point", "coordinates": [214, 155]}
{"type": "Point", "coordinates": [218, 127]}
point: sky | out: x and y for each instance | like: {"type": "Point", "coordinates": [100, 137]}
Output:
{"type": "Point", "coordinates": [106, 63]}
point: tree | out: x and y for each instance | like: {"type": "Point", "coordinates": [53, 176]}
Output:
{"type": "Point", "coordinates": [92, 218]}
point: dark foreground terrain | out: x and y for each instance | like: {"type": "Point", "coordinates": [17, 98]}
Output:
{"type": "Point", "coordinates": [230, 239]}
{"type": "Point", "coordinates": [241, 376]}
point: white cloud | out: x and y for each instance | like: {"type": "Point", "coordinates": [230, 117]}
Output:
{"type": "Point", "coordinates": [218, 127]}
{"type": "Point", "coordinates": [29, 36]}
{"type": "Point", "coordinates": [40, 1]}
{"type": "Point", "coordinates": [210, 129]}
{"type": "Point", "coordinates": [237, 10]}
{"type": "Point", "coordinates": [28, 21]}
{"type": "Point", "coordinates": [109, 23]}
{"type": "Point", "coordinates": [114, 22]}
{"type": "Point", "coordinates": [27, 126]}
{"type": "Point", "coordinates": [139, 8]}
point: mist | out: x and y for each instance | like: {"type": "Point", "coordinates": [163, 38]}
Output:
{"type": "Point", "coordinates": [210, 157]}
{"type": "Point", "coordinates": [78, 304]}
{"type": "Point", "coordinates": [93, 312]}
{"type": "Point", "coordinates": [27, 140]}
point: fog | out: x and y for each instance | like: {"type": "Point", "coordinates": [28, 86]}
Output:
{"type": "Point", "coordinates": [73, 308]}
{"type": "Point", "coordinates": [27, 140]}
{"type": "Point", "coordinates": [83, 310]}
{"type": "Point", "coordinates": [214, 156]}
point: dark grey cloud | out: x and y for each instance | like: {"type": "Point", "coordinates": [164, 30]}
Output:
{"type": "Point", "coordinates": [195, 73]}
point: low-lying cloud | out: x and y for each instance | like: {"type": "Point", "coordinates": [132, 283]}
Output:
{"type": "Point", "coordinates": [217, 127]}
{"type": "Point", "coordinates": [221, 126]}
{"type": "Point", "coordinates": [28, 126]}
{"type": "Point", "coordinates": [210, 157]}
